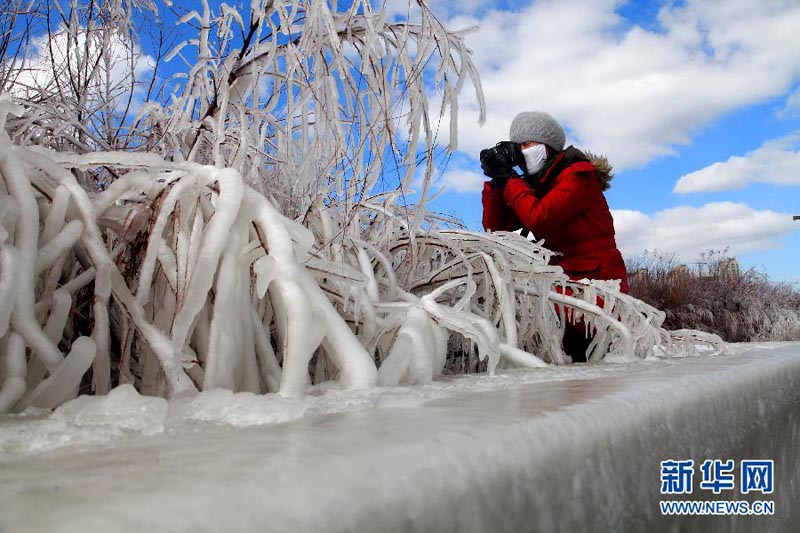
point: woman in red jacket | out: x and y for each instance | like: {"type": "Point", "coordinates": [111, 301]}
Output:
{"type": "Point", "coordinates": [559, 199]}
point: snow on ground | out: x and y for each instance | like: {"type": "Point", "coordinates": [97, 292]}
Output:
{"type": "Point", "coordinates": [553, 447]}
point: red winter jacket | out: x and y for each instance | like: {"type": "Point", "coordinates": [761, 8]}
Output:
{"type": "Point", "coordinates": [571, 215]}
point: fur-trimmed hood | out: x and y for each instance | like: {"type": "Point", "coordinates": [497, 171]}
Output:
{"type": "Point", "coordinates": [603, 168]}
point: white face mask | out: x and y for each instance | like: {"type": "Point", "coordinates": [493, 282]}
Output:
{"type": "Point", "coordinates": [535, 158]}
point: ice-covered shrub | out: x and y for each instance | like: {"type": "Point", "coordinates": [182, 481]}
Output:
{"type": "Point", "coordinates": [718, 296]}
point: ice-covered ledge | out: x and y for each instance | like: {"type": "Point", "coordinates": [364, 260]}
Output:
{"type": "Point", "coordinates": [568, 449]}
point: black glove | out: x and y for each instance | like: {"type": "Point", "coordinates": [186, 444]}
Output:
{"type": "Point", "coordinates": [498, 162]}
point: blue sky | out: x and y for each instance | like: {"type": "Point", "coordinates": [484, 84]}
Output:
{"type": "Point", "coordinates": [696, 103]}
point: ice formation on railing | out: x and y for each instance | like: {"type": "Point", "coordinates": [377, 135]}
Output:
{"type": "Point", "coordinates": [181, 277]}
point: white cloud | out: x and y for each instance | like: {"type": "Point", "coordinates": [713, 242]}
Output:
{"type": "Point", "coordinates": [462, 180]}
{"type": "Point", "coordinates": [626, 91]}
{"type": "Point", "coordinates": [776, 162]}
{"type": "Point", "coordinates": [689, 231]}
{"type": "Point", "coordinates": [59, 61]}
{"type": "Point", "coordinates": [792, 106]}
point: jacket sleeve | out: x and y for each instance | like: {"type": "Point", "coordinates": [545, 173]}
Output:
{"type": "Point", "coordinates": [496, 214]}
{"type": "Point", "coordinates": [570, 196]}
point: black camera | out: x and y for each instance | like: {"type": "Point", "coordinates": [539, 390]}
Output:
{"type": "Point", "coordinates": [503, 152]}
{"type": "Point", "coordinates": [499, 160]}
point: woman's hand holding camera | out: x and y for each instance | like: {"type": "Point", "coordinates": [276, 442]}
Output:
{"type": "Point", "coordinates": [498, 162]}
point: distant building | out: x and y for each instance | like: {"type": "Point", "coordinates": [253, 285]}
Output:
{"type": "Point", "coordinates": [680, 272]}
{"type": "Point", "coordinates": [729, 269]}
{"type": "Point", "coordinates": [638, 277]}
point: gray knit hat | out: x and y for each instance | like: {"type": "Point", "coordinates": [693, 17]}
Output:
{"type": "Point", "coordinates": [538, 127]}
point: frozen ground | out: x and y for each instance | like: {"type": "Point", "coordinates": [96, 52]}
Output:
{"type": "Point", "coordinates": [552, 449]}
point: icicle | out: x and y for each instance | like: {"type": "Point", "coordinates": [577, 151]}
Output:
{"type": "Point", "coordinates": [101, 333]}
{"type": "Point", "coordinates": [56, 215]}
{"type": "Point", "coordinates": [58, 245]}
{"type": "Point", "coordinates": [299, 333]}
{"type": "Point", "coordinates": [521, 358]}
{"type": "Point", "coordinates": [225, 350]}
{"type": "Point", "coordinates": [216, 235]}
{"type": "Point", "coordinates": [62, 384]}
{"type": "Point", "coordinates": [355, 365]}
{"type": "Point", "coordinates": [13, 386]}
{"type": "Point", "coordinates": [267, 362]}
{"type": "Point", "coordinates": [54, 329]}
{"type": "Point", "coordinates": [23, 319]}
{"type": "Point", "coordinates": [8, 285]}
{"type": "Point", "coordinates": [413, 356]}
{"type": "Point", "coordinates": [424, 359]}
{"type": "Point", "coordinates": [506, 302]}
{"type": "Point", "coordinates": [249, 379]}
{"type": "Point", "coordinates": [155, 240]}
